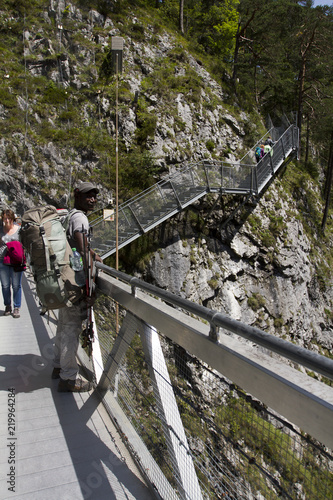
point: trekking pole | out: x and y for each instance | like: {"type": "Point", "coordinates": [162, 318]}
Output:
{"type": "Point", "coordinates": [88, 333]}
{"type": "Point", "coordinates": [90, 329]}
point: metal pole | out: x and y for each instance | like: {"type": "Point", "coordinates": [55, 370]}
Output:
{"type": "Point", "coordinates": [117, 47]}
{"type": "Point", "coordinates": [117, 201]}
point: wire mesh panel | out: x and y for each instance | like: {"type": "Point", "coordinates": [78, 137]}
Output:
{"type": "Point", "coordinates": [237, 177]}
{"type": "Point", "coordinates": [150, 206]}
{"type": "Point", "coordinates": [104, 233]}
{"type": "Point", "coordinates": [243, 450]}
{"type": "Point", "coordinates": [240, 448]}
{"type": "Point", "coordinates": [264, 171]}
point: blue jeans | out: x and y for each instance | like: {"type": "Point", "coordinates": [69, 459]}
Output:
{"type": "Point", "coordinates": [9, 278]}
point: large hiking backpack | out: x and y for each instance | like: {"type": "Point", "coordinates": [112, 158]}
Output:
{"type": "Point", "coordinates": [44, 239]}
{"type": "Point", "coordinates": [258, 152]}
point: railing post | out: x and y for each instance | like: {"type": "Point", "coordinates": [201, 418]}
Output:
{"type": "Point", "coordinates": [206, 174]}
{"type": "Point", "coordinates": [283, 150]}
{"type": "Point", "coordinates": [176, 195]}
{"type": "Point", "coordinates": [221, 176]}
{"type": "Point", "coordinates": [256, 178]}
{"type": "Point", "coordinates": [252, 179]}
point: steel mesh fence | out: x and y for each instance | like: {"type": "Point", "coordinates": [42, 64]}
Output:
{"type": "Point", "coordinates": [240, 448]}
{"type": "Point", "coordinates": [272, 457]}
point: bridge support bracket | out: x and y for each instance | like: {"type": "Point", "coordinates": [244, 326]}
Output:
{"type": "Point", "coordinates": [214, 332]}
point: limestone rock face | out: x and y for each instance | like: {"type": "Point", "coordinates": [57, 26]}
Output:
{"type": "Point", "coordinates": [262, 273]}
{"type": "Point", "coordinates": [275, 288]}
{"type": "Point", "coordinates": [187, 128]}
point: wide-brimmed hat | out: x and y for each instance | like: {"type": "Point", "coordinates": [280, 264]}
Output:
{"type": "Point", "coordinates": [84, 187]}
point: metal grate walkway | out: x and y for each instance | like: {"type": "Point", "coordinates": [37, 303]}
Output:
{"type": "Point", "coordinates": [53, 445]}
{"type": "Point", "coordinates": [185, 186]}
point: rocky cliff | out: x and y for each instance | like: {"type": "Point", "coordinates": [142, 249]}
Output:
{"type": "Point", "coordinates": [264, 270]}
{"type": "Point", "coordinates": [267, 266]}
{"type": "Point", "coordinates": [58, 101]}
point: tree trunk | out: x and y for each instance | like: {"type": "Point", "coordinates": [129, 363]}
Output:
{"type": "Point", "coordinates": [307, 139]}
{"type": "Point", "coordinates": [328, 184]}
{"type": "Point", "coordinates": [237, 44]}
{"type": "Point", "coordinates": [301, 79]}
{"type": "Point", "coordinates": [181, 16]}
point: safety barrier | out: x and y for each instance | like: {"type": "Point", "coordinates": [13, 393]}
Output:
{"type": "Point", "coordinates": [209, 406]}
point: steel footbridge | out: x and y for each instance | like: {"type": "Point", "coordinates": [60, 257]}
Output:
{"type": "Point", "coordinates": [188, 403]}
{"type": "Point", "coordinates": [186, 185]}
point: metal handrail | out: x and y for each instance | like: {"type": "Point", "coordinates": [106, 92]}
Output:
{"type": "Point", "coordinates": [298, 354]}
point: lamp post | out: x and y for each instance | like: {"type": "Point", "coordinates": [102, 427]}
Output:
{"type": "Point", "coordinates": [117, 44]}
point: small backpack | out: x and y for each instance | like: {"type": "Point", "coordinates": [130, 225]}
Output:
{"type": "Point", "coordinates": [44, 239]}
{"type": "Point", "coordinates": [258, 152]}
{"type": "Point", "coordinates": [15, 256]}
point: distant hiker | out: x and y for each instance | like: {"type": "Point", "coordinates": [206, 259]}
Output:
{"type": "Point", "coordinates": [268, 149]}
{"type": "Point", "coordinates": [269, 141]}
{"type": "Point", "coordinates": [259, 152]}
{"type": "Point", "coordinates": [10, 276]}
{"type": "Point", "coordinates": [70, 318]}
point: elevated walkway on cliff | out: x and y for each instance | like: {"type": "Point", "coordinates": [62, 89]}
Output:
{"type": "Point", "coordinates": [53, 445]}
{"type": "Point", "coordinates": [227, 412]}
{"type": "Point", "coordinates": [185, 186]}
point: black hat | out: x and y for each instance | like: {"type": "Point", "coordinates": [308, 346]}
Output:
{"type": "Point", "coordinates": [85, 187]}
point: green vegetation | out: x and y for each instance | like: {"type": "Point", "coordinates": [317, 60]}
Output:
{"type": "Point", "coordinates": [273, 449]}
{"type": "Point", "coordinates": [213, 282]}
{"type": "Point", "coordinates": [258, 69]}
{"type": "Point", "coordinates": [256, 301]}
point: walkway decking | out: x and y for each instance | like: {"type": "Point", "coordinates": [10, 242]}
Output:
{"type": "Point", "coordinates": [56, 446]}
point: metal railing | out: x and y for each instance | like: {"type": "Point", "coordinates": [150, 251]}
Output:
{"type": "Point", "coordinates": [183, 187]}
{"type": "Point", "coordinates": [211, 407]}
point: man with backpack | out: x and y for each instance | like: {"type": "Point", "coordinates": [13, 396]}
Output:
{"type": "Point", "coordinates": [70, 318]}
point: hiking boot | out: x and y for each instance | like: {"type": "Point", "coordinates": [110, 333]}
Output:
{"type": "Point", "coordinates": [16, 313]}
{"type": "Point", "coordinates": [77, 385]}
{"type": "Point", "coordinates": [8, 311]}
{"type": "Point", "coordinates": [56, 373]}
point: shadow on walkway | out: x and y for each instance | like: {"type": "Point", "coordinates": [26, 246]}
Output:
{"type": "Point", "coordinates": [94, 463]}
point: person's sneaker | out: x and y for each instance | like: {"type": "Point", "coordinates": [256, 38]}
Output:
{"type": "Point", "coordinates": [55, 373]}
{"type": "Point", "coordinates": [77, 385]}
{"type": "Point", "coordinates": [8, 311]}
{"type": "Point", "coordinates": [16, 313]}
